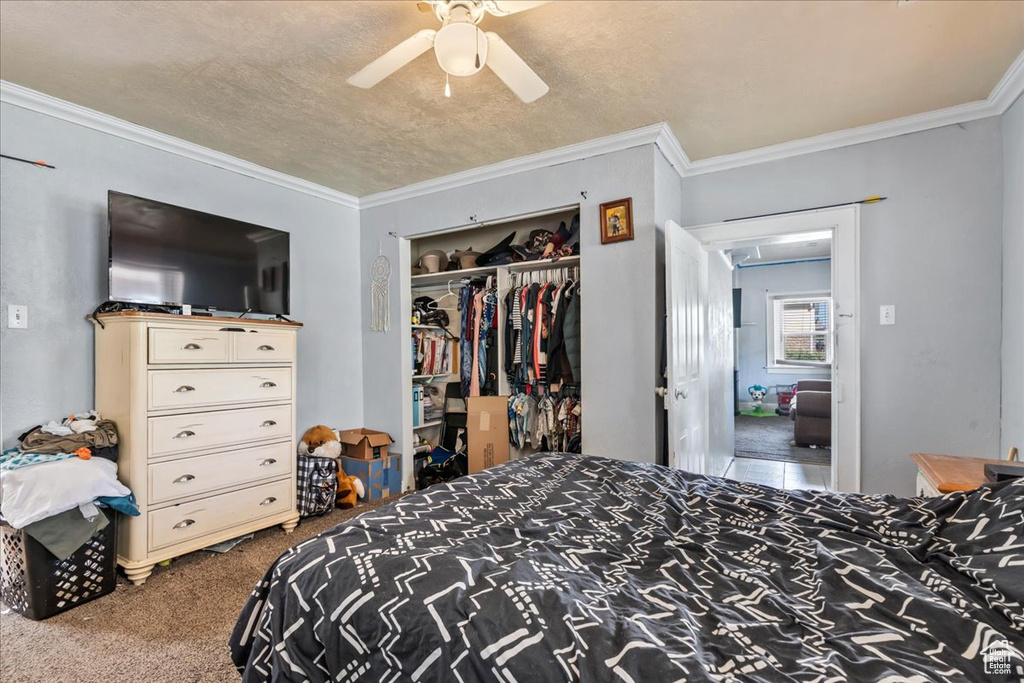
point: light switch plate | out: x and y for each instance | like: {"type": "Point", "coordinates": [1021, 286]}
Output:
{"type": "Point", "coordinates": [887, 314]}
{"type": "Point", "coordinates": [17, 317]}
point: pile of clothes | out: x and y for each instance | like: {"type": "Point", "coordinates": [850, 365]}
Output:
{"type": "Point", "coordinates": [539, 244]}
{"type": "Point", "coordinates": [55, 484]}
{"type": "Point", "coordinates": [549, 422]}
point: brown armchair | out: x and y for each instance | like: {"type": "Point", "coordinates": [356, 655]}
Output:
{"type": "Point", "coordinates": [812, 413]}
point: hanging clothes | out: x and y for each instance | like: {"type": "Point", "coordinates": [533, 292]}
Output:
{"type": "Point", "coordinates": [477, 308]}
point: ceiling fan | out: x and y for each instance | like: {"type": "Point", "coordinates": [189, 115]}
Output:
{"type": "Point", "coordinates": [461, 48]}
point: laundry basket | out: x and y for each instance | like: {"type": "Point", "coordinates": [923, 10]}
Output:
{"type": "Point", "coordinates": [37, 585]}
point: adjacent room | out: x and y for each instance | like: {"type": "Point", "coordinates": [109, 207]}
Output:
{"type": "Point", "coordinates": [783, 345]}
{"type": "Point", "coordinates": [511, 340]}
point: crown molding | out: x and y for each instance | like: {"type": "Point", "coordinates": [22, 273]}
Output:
{"type": "Point", "coordinates": [1009, 87]}
{"type": "Point", "coordinates": [561, 155]}
{"type": "Point", "coordinates": [1002, 97]}
{"type": "Point", "coordinates": [19, 96]}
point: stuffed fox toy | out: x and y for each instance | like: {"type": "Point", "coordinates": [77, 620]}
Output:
{"type": "Point", "coordinates": [349, 488]}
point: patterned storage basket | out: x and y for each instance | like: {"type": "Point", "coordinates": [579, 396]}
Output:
{"type": "Point", "coordinates": [317, 485]}
{"type": "Point", "coordinates": [37, 585]}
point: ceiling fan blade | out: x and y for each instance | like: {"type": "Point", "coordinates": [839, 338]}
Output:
{"type": "Point", "coordinates": [393, 60]}
{"type": "Point", "coordinates": [513, 71]}
{"type": "Point", "coordinates": [502, 8]}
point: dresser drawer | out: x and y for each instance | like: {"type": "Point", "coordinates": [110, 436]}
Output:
{"type": "Point", "coordinates": [205, 473]}
{"type": "Point", "coordinates": [204, 431]}
{"type": "Point", "coordinates": [188, 346]}
{"type": "Point", "coordinates": [184, 522]}
{"type": "Point", "coordinates": [198, 388]}
{"type": "Point", "coordinates": [264, 346]}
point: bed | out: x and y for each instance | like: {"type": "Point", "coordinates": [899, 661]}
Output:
{"type": "Point", "coordinates": [561, 567]}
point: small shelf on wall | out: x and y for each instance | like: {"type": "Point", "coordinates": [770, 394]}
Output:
{"type": "Point", "coordinates": [427, 425]}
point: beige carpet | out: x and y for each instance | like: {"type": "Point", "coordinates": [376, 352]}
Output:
{"type": "Point", "coordinates": [173, 628]}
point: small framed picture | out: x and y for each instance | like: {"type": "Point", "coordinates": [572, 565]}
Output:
{"type": "Point", "coordinates": [617, 221]}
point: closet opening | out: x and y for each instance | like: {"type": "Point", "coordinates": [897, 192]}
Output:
{"type": "Point", "coordinates": [495, 312]}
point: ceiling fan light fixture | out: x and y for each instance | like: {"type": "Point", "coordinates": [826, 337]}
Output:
{"type": "Point", "coordinates": [460, 48]}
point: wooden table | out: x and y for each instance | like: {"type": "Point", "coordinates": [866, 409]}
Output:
{"type": "Point", "coordinates": [939, 474]}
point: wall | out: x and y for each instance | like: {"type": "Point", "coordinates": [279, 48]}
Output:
{"type": "Point", "coordinates": [618, 348]}
{"type": "Point", "coordinates": [53, 259]}
{"type": "Point", "coordinates": [1013, 279]}
{"type": "Point", "coordinates": [757, 283]}
{"type": "Point", "coordinates": [930, 383]}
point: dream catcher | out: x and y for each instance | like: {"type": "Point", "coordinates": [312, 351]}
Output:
{"type": "Point", "coordinates": [380, 293]}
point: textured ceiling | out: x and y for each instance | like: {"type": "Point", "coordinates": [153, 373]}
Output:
{"type": "Point", "coordinates": [265, 81]}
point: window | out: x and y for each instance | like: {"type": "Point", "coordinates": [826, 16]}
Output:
{"type": "Point", "coordinates": [800, 331]}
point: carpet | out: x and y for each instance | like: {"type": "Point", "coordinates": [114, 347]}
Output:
{"type": "Point", "coordinates": [769, 439]}
{"type": "Point", "coordinates": [174, 628]}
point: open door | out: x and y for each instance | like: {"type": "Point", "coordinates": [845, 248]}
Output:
{"type": "Point", "coordinates": [686, 400]}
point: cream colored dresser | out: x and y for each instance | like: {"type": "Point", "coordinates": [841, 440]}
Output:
{"type": "Point", "coordinates": [206, 417]}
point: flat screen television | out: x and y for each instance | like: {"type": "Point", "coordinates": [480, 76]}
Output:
{"type": "Point", "coordinates": [161, 254]}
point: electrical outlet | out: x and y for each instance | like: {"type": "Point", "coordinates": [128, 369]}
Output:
{"type": "Point", "coordinates": [17, 317]}
{"type": "Point", "coordinates": [887, 314]}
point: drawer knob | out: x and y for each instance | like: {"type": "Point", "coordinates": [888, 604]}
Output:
{"type": "Point", "coordinates": [268, 385]}
{"type": "Point", "coordinates": [184, 434]}
{"type": "Point", "coordinates": [184, 389]}
{"type": "Point", "coordinates": [184, 479]}
{"type": "Point", "coordinates": [268, 501]}
{"type": "Point", "coordinates": [268, 461]}
{"type": "Point", "coordinates": [192, 347]}
{"type": "Point", "coordinates": [264, 347]}
{"type": "Point", "coordinates": [184, 523]}
{"type": "Point", "coordinates": [268, 423]}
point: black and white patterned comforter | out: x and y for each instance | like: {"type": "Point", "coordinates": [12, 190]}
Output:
{"type": "Point", "coordinates": [563, 567]}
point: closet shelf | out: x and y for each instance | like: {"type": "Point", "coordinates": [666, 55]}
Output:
{"type": "Point", "coordinates": [543, 264]}
{"type": "Point", "coordinates": [425, 425]}
{"type": "Point", "coordinates": [429, 327]}
{"type": "Point", "coordinates": [441, 374]}
{"type": "Point", "coordinates": [442, 278]}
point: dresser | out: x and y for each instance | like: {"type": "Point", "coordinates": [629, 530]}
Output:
{"type": "Point", "coordinates": [205, 409]}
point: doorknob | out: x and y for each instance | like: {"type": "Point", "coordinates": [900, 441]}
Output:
{"type": "Point", "coordinates": [682, 393]}
{"type": "Point", "coordinates": [661, 391]}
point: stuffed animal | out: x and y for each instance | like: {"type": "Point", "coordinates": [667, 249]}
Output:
{"type": "Point", "coordinates": [349, 488]}
{"type": "Point", "coordinates": [757, 393]}
{"type": "Point", "coordinates": [320, 441]}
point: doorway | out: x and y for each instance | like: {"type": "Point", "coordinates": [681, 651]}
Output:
{"type": "Point", "coordinates": [782, 291]}
{"type": "Point", "coordinates": [830, 354]}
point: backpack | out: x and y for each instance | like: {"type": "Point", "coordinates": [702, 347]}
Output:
{"type": "Point", "coordinates": [318, 485]}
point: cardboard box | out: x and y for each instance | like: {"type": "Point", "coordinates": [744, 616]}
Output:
{"type": "Point", "coordinates": [381, 477]}
{"type": "Point", "coordinates": [487, 431]}
{"type": "Point", "coordinates": [364, 443]}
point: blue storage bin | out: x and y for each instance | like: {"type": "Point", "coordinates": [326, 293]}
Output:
{"type": "Point", "coordinates": [381, 477]}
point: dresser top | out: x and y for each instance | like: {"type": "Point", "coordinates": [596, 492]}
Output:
{"type": "Point", "coordinates": [950, 473]}
{"type": "Point", "coordinates": [170, 317]}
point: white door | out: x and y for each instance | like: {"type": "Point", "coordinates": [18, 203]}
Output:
{"type": "Point", "coordinates": [686, 293]}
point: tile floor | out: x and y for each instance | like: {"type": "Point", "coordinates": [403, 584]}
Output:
{"type": "Point", "coordinates": [783, 475]}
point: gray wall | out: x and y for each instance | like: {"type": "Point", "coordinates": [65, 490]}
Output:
{"type": "Point", "coordinates": [618, 315]}
{"type": "Point", "coordinates": [757, 283]}
{"type": "Point", "coordinates": [53, 259]}
{"type": "Point", "coordinates": [930, 383]}
{"type": "Point", "coordinates": [1013, 278]}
